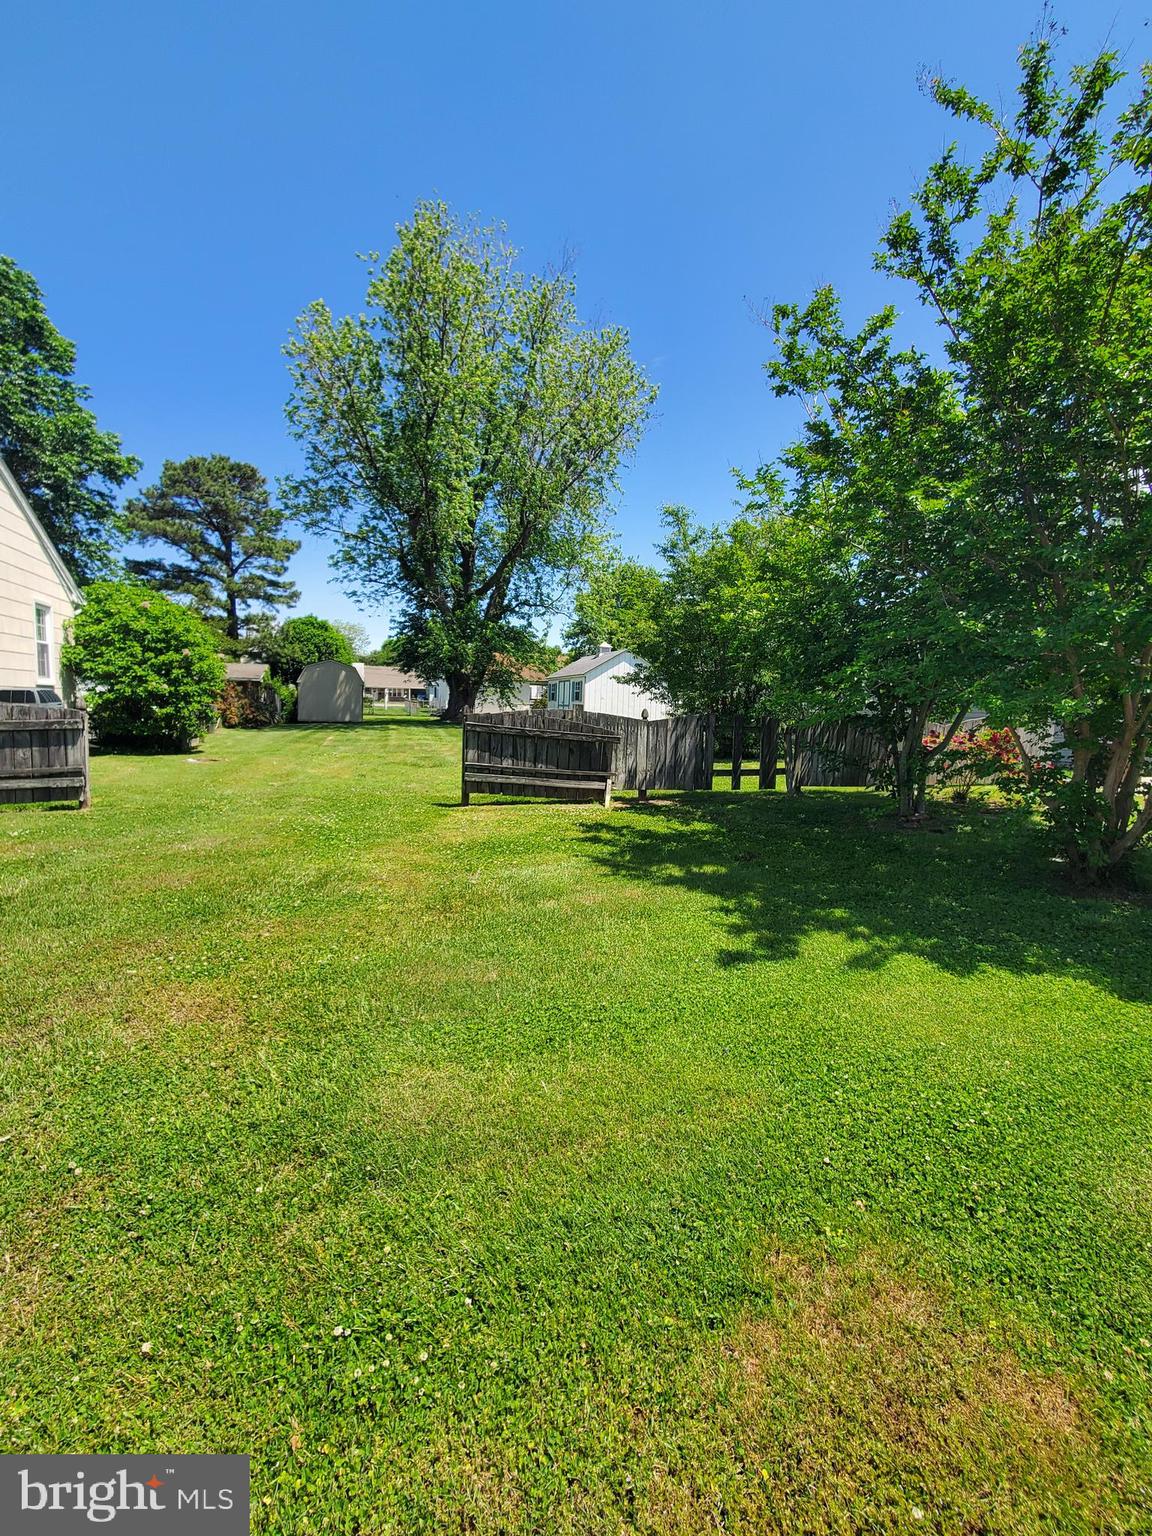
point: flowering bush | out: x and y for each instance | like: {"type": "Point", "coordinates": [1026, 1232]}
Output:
{"type": "Point", "coordinates": [150, 666]}
{"type": "Point", "coordinates": [977, 756]}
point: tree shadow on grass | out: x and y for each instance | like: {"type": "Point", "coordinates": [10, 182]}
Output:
{"type": "Point", "coordinates": [983, 890]}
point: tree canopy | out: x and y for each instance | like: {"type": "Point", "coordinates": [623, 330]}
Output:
{"type": "Point", "coordinates": [1035, 259]}
{"type": "Point", "coordinates": [300, 641]}
{"type": "Point", "coordinates": [217, 513]}
{"type": "Point", "coordinates": [617, 604]}
{"type": "Point", "coordinates": [66, 466]}
{"type": "Point", "coordinates": [461, 437]}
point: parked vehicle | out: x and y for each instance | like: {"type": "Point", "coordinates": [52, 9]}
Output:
{"type": "Point", "coordinates": [29, 696]}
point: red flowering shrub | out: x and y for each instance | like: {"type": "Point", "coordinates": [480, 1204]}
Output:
{"type": "Point", "coordinates": [975, 757]}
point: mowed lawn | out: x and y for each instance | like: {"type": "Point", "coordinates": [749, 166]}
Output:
{"type": "Point", "coordinates": [727, 1164]}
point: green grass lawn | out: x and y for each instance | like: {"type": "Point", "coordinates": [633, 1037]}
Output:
{"type": "Point", "coordinates": [726, 1164]}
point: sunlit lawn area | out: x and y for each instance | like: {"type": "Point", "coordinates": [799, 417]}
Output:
{"type": "Point", "coordinates": [726, 1164]}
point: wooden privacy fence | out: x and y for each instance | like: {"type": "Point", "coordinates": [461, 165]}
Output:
{"type": "Point", "coordinates": [43, 754]}
{"type": "Point", "coordinates": [842, 755]}
{"type": "Point", "coordinates": [525, 759]}
{"type": "Point", "coordinates": [678, 753]}
{"type": "Point", "coordinates": [649, 754]}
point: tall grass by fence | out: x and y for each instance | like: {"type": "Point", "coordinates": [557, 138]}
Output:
{"type": "Point", "coordinates": [43, 754]}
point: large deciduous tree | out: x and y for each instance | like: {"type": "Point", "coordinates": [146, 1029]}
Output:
{"type": "Point", "coordinates": [218, 514]}
{"type": "Point", "coordinates": [712, 647]}
{"type": "Point", "coordinates": [67, 467]}
{"type": "Point", "coordinates": [461, 437]}
{"type": "Point", "coordinates": [1036, 260]}
{"type": "Point", "coordinates": [617, 605]}
{"type": "Point", "coordinates": [878, 489]}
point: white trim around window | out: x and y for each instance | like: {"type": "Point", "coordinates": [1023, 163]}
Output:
{"type": "Point", "coordinates": [42, 622]}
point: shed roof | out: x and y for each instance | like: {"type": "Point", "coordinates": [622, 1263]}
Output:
{"type": "Point", "coordinates": [584, 664]}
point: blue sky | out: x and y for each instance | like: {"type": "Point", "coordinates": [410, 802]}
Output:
{"type": "Point", "coordinates": [182, 179]}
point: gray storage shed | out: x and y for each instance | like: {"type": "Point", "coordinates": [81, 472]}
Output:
{"type": "Point", "coordinates": [330, 693]}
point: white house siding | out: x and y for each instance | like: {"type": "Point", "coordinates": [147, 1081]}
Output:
{"type": "Point", "coordinates": [602, 693]}
{"type": "Point", "coordinates": [30, 573]}
{"type": "Point", "coordinates": [490, 703]}
{"type": "Point", "coordinates": [605, 695]}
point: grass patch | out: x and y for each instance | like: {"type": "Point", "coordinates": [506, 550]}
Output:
{"type": "Point", "coordinates": [729, 1163]}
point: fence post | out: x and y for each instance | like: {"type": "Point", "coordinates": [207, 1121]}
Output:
{"type": "Point", "coordinates": [464, 764]}
{"type": "Point", "coordinates": [86, 791]}
{"type": "Point", "coordinates": [737, 750]}
{"type": "Point", "coordinates": [642, 734]}
{"type": "Point", "coordinates": [707, 767]}
{"type": "Point", "coordinates": [768, 752]}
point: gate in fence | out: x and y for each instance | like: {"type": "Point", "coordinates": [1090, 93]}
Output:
{"type": "Point", "coordinates": [43, 754]}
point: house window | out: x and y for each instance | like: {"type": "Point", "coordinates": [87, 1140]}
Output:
{"type": "Point", "coordinates": [577, 693]}
{"type": "Point", "coordinates": [551, 693]}
{"type": "Point", "coordinates": [43, 643]}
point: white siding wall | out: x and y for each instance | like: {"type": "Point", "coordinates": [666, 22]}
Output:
{"type": "Point", "coordinates": [604, 695]}
{"type": "Point", "coordinates": [488, 703]}
{"type": "Point", "coordinates": [27, 577]}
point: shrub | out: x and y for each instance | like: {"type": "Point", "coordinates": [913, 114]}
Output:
{"type": "Point", "coordinates": [249, 705]}
{"type": "Point", "coordinates": [286, 693]}
{"type": "Point", "coordinates": [974, 757]}
{"type": "Point", "coordinates": [299, 642]}
{"type": "Point", "coordinates": [150, 665]}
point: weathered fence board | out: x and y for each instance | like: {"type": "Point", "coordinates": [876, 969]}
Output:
{"type": "Point", "coordinates": [43, 754]}
{"type": "Point", "coordinates": [651, 754]}
{"type": "Point", "coordinates": [845, 755]}
{"type": "Point", "coordinates": [502, 755]}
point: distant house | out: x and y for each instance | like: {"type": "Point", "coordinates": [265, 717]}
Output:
{"type": "Point", "coordinates": [37, 596]}
{"type": "Point", "coordinates": [388, 685]}
{"type": "Point", "coordinates": [600, 684]}
{"type": "Point", "coordinates": [529, 690]}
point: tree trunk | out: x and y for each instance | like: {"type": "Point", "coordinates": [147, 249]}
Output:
{"type": "Point", "coordinates": [462, 692]}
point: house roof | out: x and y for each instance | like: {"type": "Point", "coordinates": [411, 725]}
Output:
{"type": "Point", "coordinates": [245, 671]}
{"type": "Point", "coordinates": [585, 664]}
{"type": "Point", "coordinates": [525, 672]}
{"type": "Point", "coordinates": [67, 580]}
{"type": "Point", "coordinates": [389, 677]}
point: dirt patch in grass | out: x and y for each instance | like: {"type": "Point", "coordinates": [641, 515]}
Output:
{"type": "Point", "coordinates": [862, 1403]}
{"type": "Point", "coordinates": [859, 1402]}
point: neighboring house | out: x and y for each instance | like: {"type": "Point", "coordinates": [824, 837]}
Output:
{"type": "Point", "coordinates": [388, 685]}
{"type": "Point", "coordinates": [245, 671]}
{"type": "Point", "coordinates": [600, 684]}
{"type": "Point", "coordinates": [37, 596]}
{"type": "Point", "coordinates": [529, 691]}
